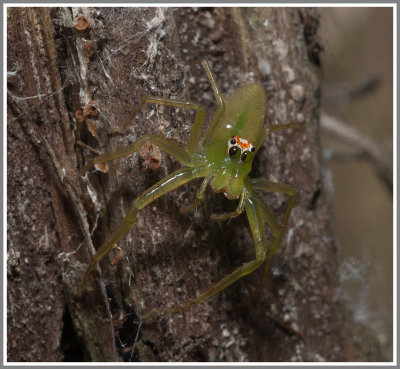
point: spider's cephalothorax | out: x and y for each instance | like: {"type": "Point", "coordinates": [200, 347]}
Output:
{"type": "Point", "coordinates": [233, 168]}
{"type": "Point", "coordinates": [224, 162]}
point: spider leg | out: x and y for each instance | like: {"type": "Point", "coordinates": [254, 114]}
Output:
{"type": "Point", "coordinates": [277, 231]}
{"type": "Point", "coordinates": [199, 196]}
{"type": "Point", "coordinates": [195, 135]}
{"type": "Point", "coordinates": [218, 96]}
{"type": "Point", "coordinates": [169, 147]}
{"type": "Point", "coordinates": [169, 183]}
{"type": "Point", "coordinates": [255, 218]}
{"type": "Point", "coordinates": [233, 214]}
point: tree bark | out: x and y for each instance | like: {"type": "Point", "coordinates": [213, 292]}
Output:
{"type": "Point", "coordinates": [67, 65]}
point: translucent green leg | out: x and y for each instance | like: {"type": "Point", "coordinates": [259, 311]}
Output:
{"type": "Point", "coordinates": [169, 147]}
{"type": "Point", "coordinates": [268, 215]}
{"type": "Point", "coordinates": [204, 63]}
{"type": "Point", "coordinates": [169, 183]}
{"type": "Point", "coordinates": [277, 231]}
{"type": "Point", "coordinates": [256, 222]}
{"type": "Point", "coordinates": [276, 128]}
{"type": "Point", "coordinates": [195, 135]}
{"type": "Point", "coordinates": [218, 96]}
{"type": "Point", "coordinates": [199, 196]}
{"type": "Point", "coordinates": [233, 214]}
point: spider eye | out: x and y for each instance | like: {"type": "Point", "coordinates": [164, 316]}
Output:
{"type": "Point", "coordinates": [234, 152]}
{"type": "Point", "coordinates": [253, 149]}
{"type": "Point", "coordinates": [246, 157]}
{"type": "Point", "coordinates": [233, 141]}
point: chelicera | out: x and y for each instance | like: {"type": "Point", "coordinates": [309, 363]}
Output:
{"type": "Point", "coordinates": [224, 161]}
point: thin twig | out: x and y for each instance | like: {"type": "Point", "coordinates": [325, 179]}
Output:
{"type": "Point", "coordinates": [362, 147]}
{"type": "Point", "coordinates": [346, 92]}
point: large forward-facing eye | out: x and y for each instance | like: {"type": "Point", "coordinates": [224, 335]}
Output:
{"type": "Point", "coordinates": [246, 156]}
{"type": "Point", "coordinates": [234, 152]}
{"type": "Point", "coordinates": [239, 147]}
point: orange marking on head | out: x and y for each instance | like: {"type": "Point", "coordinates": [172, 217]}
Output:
{"type": "Point", "coordinates": [243, 143]}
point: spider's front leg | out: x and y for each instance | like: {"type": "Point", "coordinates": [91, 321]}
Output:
{"type": "Point", "coordinates": [255, 217]}
{"type": "Point", "coordinates": [185, 157]}
{"type": "Point", "coordinates": [198, 123]}
{"type": "Point", "coordinates": [169, 183]}
{"type": "Point", "coordinates": [177, 152]}
{"type": "Point", "coordinates": [233, 214]}
{"type": "Point", "coordinates": [199, 196]}
{"type": "Point", "coordinates": [196, 132]}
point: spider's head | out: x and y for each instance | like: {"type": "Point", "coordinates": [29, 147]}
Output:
{"type": "Point", "coordinates": [240, 149]}
{"type": "Point", "coordinates": [234, 168]}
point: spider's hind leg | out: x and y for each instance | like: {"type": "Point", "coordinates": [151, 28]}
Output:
{"type": "Point", "coordinates": [277, 229]}
{"type": "Point", "coordinates": [255, 218]}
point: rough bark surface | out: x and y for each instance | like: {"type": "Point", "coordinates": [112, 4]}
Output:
{"type": "Point", "coordinates": [55, 71]}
